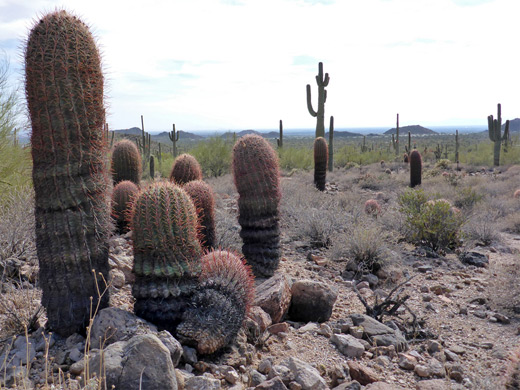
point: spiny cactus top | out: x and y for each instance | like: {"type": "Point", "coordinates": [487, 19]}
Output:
{"type": "Point", "coordinates": [124, 193]}
{"type": "Point", "coordinates": [204, 201]}
{"type": "Point", "coordinates": [126, 162]}
{"type": "Point", "coordinates": [64, 91]}
{"type": "Point", "coordinates": [220, 303]}
{"type": "Point", "coordinates": [186, 168]}
{"type": "Point", "coordinates": [164, 225]}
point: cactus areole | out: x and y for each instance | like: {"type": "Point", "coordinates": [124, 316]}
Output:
{"type": "Point", "coordinates": [64, 91]}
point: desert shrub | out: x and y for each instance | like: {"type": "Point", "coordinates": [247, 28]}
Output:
{"type": "Point", "coordinates": [213, 155]}
{"type": "Point", "coordinates": [20, 308]}
{"type": "Point", "coordinates": [366, 248]}
{"type": "Point", "coordinates": [296, 158]}
{"type": "Point", "coordinates": [443, 164]}
{"type": "Point", "coordinates": [482, 227]}
{"type": "Point", "coordinates": [466, 198]}
{"type": "Point", "coordinates": [430, 223]}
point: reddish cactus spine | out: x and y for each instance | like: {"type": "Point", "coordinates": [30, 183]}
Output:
{"type": "Point", "coordinates": [204, 200]}
{"type": "Point", "coordinates": [415, 168]}
{"type": "Point", "coordinates": [186, 168]}
{"type": "Point", "coordinates": [124, 193]}
{"type": "Point", "coordinates": [126, 162]}
{"type": "Point", "coordinates": [225, 291]}
{"type": "Point", "coordinates": [256, 174]}
{"type": "Point", "coordinates": [64, 90]}
{"type": "Point", "coordinates": [321, 156]}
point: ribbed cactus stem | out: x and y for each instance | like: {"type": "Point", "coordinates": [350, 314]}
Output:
{"type": "Point", "coordinates": [415, 168]}
{"type": "Point", "coordinates": [321, 156]}
{"type": "Point", "coordinates": [322, 81]}
{"type": "Point", "coordinates": [64, 90]}
{"type": "Point", "coordinates": [331, 144]}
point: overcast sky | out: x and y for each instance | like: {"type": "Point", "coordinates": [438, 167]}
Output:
{"type": "Point", "coordinates": [244, 64]}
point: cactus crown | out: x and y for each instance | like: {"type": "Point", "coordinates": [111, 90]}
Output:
{"type": "Point", "coordinates": [126, 162]}
{"type": "Point", "coordinates": [124, 192]}
{"type": "Point", "coordinates": [186, 168]}
{"type": "Point", "coordinates": [164, 225]}
{"type": "Point", "coordinates": [321, 150]}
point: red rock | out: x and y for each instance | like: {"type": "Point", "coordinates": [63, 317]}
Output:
{"type": "Point", "coordinates": [362, 374]}
{"type": "Point", "coordinates": [274, 297]}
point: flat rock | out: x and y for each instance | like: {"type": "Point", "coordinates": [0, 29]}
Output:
{"type": "Point", "coordinates": [379, 333]}
{"type": "Point", "coordinates": [362, 374]}
{"type": "Point", "coordinates": [274, 297]}
{"type": "Point", "coordinates": [272, 384]}
{"type": "Point", "coordinates": [311, 301]}
{"type": "Point", "coordinates": [348, 345]}
{"type": "Point", "coordinates": [202, 383]}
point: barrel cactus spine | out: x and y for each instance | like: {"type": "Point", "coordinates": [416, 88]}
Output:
{"type": "Point", "coordinates": [256, 174]}
{"type": "Point", "coordinates": [167, 253]}
{"type": "Point", "coordinates": [185, 168]}
{"type": "Point", "coordinates": [204, 200]}
{"type": "Point", "coordinates": [70, 168]}
{"type": "Point", "coordinates": [126, 162]}
{"type": "Point", "coordinates": [415, 168]}
{"type": "Point", "coordinates": [321, 156]}
{"type": "Point", "coordinates": [124, 192]}
{"type": "Point", "coordinates": [225, 290]}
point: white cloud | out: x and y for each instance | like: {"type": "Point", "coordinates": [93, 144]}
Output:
{"type": "Point", "coordinates": [207, 64]}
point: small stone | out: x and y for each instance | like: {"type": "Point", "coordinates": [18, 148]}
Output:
{"type": "Point", "coordinates": [433, 384]}
{"type": "Point", "coordinates": [189, 355]}
{"type": "Point", "coordinates": [425, 268]}
{"type": "Point", "coordinates": [502, 318]}
{"type": "Point", "coordinates": [202, 383]}
{"type": "Point", "coordinates": [265, 365]}
{"type": "Point", "coordinates": [348, 345]}
{"type": "Point", "coordinates": [275, 383]}
{"type": "Point", "coordinates": [422, 370]}
{"type": "Point", "coordinates": [357, 331]}
{"type": "Point", "coordinates": [362, 374]}
{"type": "Point", "coordinates": [255, 378]}
{"type": "Point", "coordinates": [433, 346]}
{"type": "Point", "coordinates": [279, 328]}
{"type": "Point", "coordinates": [274, 296]}
{"type": "Point", "coordinates": [295, 386]}
{"type": "Point", "coordinates": [325, 330]}
{"type": "Point", "coordinates": [406, 361]}
{"type": "Point", "coordinates": [362, 285]}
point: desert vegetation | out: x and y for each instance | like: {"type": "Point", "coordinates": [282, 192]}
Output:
{"type": "Point", "coordinates": [246, 263]}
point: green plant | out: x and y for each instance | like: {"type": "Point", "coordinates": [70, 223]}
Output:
{"type": "Point", "coordinates": [122, 196]}
{"type": "Point", "coordinates": [466, 198]}
{"type": "Point", "coordinates": [257, 179]}
{"type": "Point", "coordinates": [70, 167]}
{"type": "Point", "coordinates": [174, 137]}
{"type": "Point", "coordinates": [443, 164]}
{"type": "Point", "coordinates": [435, 223]}
{"type": "Point", "coordinates": [186, 168]}
{"type": "Point", "coordinates": [204, 200]}
{"type": "Point", "coordinates": [214, 155]}
{"type": "Point", "coordinates": [321, 156]}
{"type": "Point", "coordinates": [126, 162]}
{"type": "Point", "coordinates": [495, 134]}
{"type": "Point", "coordinates": [322, 82]}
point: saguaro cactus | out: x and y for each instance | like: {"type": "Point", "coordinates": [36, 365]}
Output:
{"type": "Point", "coordinates": [64, 90]}
{"type": "Point", "coordinates": [415, 168]}
{"type": "Point", "coordinates": [395, 141]}
{"type": "Point", "coordinates": [174, 137]}
{"type": "Point", "coordinates": [495, 134]}
{"type": "Point", "coordinates": [321, 155]}
{"type": "Point", "coordinates": [256, 174]}
{"type": "Point", "coordinates": [322, 82]}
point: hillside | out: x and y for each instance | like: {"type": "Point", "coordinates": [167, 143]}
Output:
{"type": "Point", "coordinates": [343, 134]}
{"type": "Point", "coordinates": [413, 129]}
{"type": "Point", "coordinates": [271, 134]}
{"type": "Point", "coordinates": [514, 125]}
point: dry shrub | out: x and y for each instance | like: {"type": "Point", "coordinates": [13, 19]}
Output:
{"type": "Point", "coordinates": [481, 227]}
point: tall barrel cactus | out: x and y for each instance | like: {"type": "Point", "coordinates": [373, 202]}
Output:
{"type": "Point", "coordinates": [256, 174]}
{"type": "Point", "coordinates": [220, 303]}
{"type": "Point", "coordinates": [321, 156]}
{"type": "Point", "coordinates": [415, 168]}
{"type": "Point", "coordinates": [495, 134]}
{"type": "Point", "coordinates": [124, 192]}
{"type": "Point", "coordinates": [185, 168]}
{"type": "Point", "coordinates": [126, 162]}
{"type": "Point", "coordinates": [64, 90]}
{"type": "Point", "coordinates": [167, 253]}
{"type": "Point", "coordinates": [204, 200]}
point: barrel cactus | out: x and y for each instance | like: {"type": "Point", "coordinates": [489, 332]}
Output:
{"type": "Point", "coordinates": [64, 91]}
{"type": "Point", "coordinates": [256, 174]}
{"type": "Point", "coordinates": [122, 197]}
{"type": "Point", "coordinates": [126, 162]}
{"type": "Point", "coordinates": [204, 200]}
{"type": "Point", "coordinates": [415, 168]}
{"type": "Point", "coordinates": [321, 156]}
{"type": "Point", "coordinates": [186, 168]}
{"type": "Point", "coordinates": [167, 253]}
{"type": "Point", "coordinates": [225, 291]}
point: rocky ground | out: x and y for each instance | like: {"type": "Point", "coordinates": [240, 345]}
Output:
{"type": "Point", "coordinates": [466, 325]}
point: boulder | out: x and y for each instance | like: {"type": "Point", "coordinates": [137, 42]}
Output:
{"type": "Point", "coordinates": [274, 297]}
{"type": "Point", "coordinates": [311, 301]}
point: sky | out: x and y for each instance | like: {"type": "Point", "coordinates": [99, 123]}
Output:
{"type": "Point", "coordinates": [245, 64]}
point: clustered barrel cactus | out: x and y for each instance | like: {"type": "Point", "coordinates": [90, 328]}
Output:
{"type": "Point", "coordinates": [321, 156]}
{"type": "Point", "coordinates": [256, 174]}
{"type": "Point", "coordinates": [186, 168]}
{"type": "Point", "coordinates": [64, 91]}
{"type": "Point", "coordinates": [203, 301]}
{"type": "Point", "coordinates": [126, 162]}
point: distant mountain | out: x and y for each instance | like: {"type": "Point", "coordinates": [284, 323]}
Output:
{"type": "Point", "coordinates": [132, 131]}
{"type": "Point", "coordinates": [413, 129]}
{"type": "Point", "coordinates": [182, 135]}
{"type": "Point", "coordinates": [271, 134]}
{"type": "Point", "coordinates": [343, 134]}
